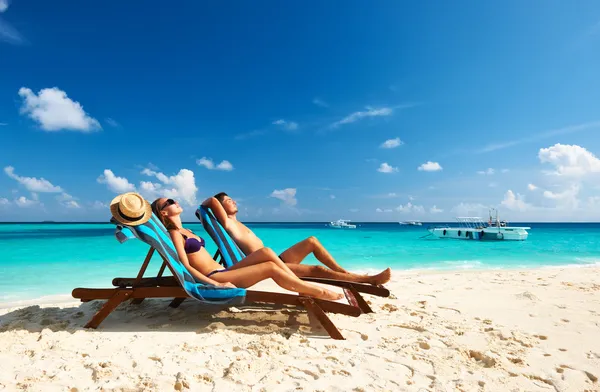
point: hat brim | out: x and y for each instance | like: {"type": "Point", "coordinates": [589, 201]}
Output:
{"type": "Point", "coordinates": [114, 210]}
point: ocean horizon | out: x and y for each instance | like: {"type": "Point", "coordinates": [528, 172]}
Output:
{"type": "Point", "coordinates": [43, 259]}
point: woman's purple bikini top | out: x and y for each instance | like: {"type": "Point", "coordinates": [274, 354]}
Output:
{"type": "Point", "coordinates": [192, 245]}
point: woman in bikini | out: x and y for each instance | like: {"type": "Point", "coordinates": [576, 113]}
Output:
{"type": "Point", "coordinates": [260, 265]}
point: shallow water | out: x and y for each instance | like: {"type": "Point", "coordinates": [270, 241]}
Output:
{"type": "Point", "coordinates": [51, 259]}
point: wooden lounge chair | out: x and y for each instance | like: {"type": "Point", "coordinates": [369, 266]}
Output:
{"type": "Point", "coordinates": [181, 285]}
{"type": "Point", "coordinates": [230, 253]}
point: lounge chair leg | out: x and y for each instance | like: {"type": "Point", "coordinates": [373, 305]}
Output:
{"type": "Point", "coordinates": [313, 308]}
{"type": "Point", "coordinates": [356, 299]}
{"type": "Point", "coordinates": [176, 302]}
{"type": "Point", "coordinates": [109, 306]}
{"type": "Point", "coordinates": [137, 301]}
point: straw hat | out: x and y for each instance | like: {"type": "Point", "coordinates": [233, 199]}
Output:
{"type": "Point", "coordinates": [130, 209]}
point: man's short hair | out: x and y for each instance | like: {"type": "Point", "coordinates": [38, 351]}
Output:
{"type": "Point", "coordinates": [220, 196]}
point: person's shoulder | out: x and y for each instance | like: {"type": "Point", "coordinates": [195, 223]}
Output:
{"type": "Point", "coordinates": [174, 232]}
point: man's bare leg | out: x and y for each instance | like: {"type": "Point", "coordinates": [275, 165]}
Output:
{"type": "Point", "coordinates": [296, 253]}
{"type": "Point", "coordinates": [317, 271]}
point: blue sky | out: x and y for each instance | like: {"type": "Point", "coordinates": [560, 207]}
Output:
{"type": "Point", "coordinates": [305, 111]}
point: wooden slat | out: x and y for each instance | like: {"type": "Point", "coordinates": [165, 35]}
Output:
{"type": "Point", "coordinates": [162, 269]}
{"type": "Point", "coordinates": [356, 299]}
{"type": "Point", "coordinates": [146, 282]}
{"type": "Point", "coordinates": [144, 266]}
{"type": "Point", "coordinates": [118, 297]}
{"type": "Point", "coordinates": [313, 308]}
{"type": "Point", "coordinates": [291, 299]}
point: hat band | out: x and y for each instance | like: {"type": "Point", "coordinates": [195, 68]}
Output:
{"type": "Point", "coordinates": [129, 218]}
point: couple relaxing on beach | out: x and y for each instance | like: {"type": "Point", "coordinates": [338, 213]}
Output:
{"type": "Point", "coordinates": [260, 263]}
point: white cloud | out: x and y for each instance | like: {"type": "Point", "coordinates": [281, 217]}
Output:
{"type": "Point", "coordinates": [225, 165]}
{"type": "Point", "coordinates": [385, 168]}
{"type": "Point", "coordinates": [7, 32]}
{"type": "Point", "coordinates": [32, 184]}
{"type": "Point", "coordinates": [99, 205]}
{"type": "Point", "coordinates": [488, 172]}
{"type": "Point", "coordinates": [565, 199]}
{"type": "Point", "coordinates": [493, 184]}
{"type": "Point", "coordinates": [392, 143]}
{"type": "Point", "coordinates": [112, 122]}
{"type": "Point", "coordinates": [4, 201]}
{"type": "Point", "coordinates": [531, 187]}
{"type": "Point", "coordinates": [182, 185]}
{"type": "Point", "coordinates": [514, 202]}
{"type": "Point", "coordinates": [435, 210]}
{"type": "Point", "coordinates": [24, 202]}
{"type": "Point", "coordinates": [409, 207]}
{"type": "Point", "coordinates": [286, 125]}
{"type": "Point", "coordinates": [332, 197]}
{"type": "Point", "coordinates": [570, 160]}
{"type": "Point", "coordinates": [430, 166]}
{"type": "Point", "coordinates": [71, 204]}
{"type": "Point", "coordinates": [54, 110]}
{"type": "Point", "coordinates": [209, 164]}
{"type": "Point", "coordinates": [466, 209]}
{"type": "Point", "coordinates": [320, 102]}
{"type": "Point", "coordinates": [378, 210]}
{"type": "Point", "coordinates": [542, 135]}
{"type": "Point", "coordinates": [114, 183]}
{"type": "Point", "coordinates": [287, 195]}
{"type": "Point", "coordinates": [505, 170]}
{"type": "Point", "coordinates": [370, 112]}
{"type": "Point", "coordinates": [67, 200]}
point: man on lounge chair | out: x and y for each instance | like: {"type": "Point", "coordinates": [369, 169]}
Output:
{"type": "Point", "coordinates": [225, 210]}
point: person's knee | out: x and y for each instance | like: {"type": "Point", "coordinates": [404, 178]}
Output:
{"type": "Point", "coordinates": [317, 269]}
{"type": "Point", "coordinates": [313, 240]}
{"type": "Point", "coordinates": [272, 267]}
{"type": "Point", "coordinates": [269, 253]}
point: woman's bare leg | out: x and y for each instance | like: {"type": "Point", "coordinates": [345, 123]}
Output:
{"type": "Point", "coordinates": [250, 275]}
{"type": "Point", "coordinates": [318, 271]}
{"type": "Point", "coordinates": [260, 256]}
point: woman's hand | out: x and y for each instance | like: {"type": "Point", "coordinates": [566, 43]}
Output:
{"type": "Point", "coordinates": [228, 285]}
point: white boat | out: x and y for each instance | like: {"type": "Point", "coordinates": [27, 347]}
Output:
{"type": "Point", "coordinates": [412, 223]}
{"type": "Point", "coordinates": [474, 228]}
{"type": "Point", "coordinates": [342, 224]}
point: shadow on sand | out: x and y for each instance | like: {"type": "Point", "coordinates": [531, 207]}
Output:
{"type": "Point", "coordinates": [155, 315]}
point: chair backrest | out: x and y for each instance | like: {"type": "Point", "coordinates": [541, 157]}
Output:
{"type": "Point", "coordinates": [230, 251]}
{"type": "Point", "coordinates": [154, 234]}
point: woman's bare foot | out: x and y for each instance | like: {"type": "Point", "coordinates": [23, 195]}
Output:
{"type": "Point", "coordinates": [382, 277]}
{"type": "Point", "coordinates": [329, 295]}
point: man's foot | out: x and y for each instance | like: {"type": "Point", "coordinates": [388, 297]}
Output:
{"type": "Point", "coordinates": [382, 277]}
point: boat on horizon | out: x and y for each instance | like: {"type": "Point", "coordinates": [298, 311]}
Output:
{"type": "Point", "coordinates": [412, 223]}
{"type": "Point", "coordinates": [342, 224]}
{"type": "Point", "coordinates": [474, 228]}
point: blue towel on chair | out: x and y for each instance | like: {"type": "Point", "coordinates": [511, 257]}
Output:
{"type": "Point", "coordinates": [230, 251]}
{"type": "Point", "coordinates": [154, 234]}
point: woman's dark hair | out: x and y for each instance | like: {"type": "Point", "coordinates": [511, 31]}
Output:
{"type": "Point", "coordinates": [163, 219]}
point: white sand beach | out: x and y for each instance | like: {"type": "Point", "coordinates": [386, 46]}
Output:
{"type": "Point", "coordinates": [517, 330]}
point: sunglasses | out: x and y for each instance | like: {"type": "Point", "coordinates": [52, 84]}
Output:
{"type": "Point", "coordinates": [169, 202]}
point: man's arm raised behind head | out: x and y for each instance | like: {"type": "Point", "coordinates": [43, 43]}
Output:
{"type": "Point", "coordinates": [217, 209]}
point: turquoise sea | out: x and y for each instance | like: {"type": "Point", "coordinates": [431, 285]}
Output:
{"type": "Point", "coordinates": [44, 260]}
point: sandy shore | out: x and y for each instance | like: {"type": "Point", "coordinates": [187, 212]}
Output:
{"type": "Point", "coordinates": [520, 330]}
